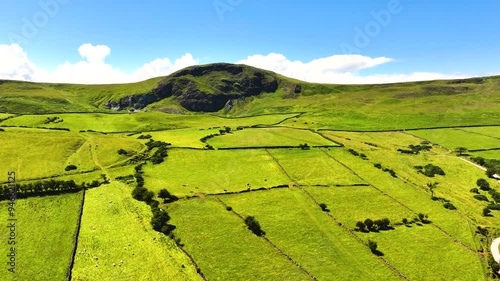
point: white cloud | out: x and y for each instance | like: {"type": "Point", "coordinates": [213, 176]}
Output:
{"type": "Point", "coordinates": [15, 65]}
{"type": "Point", "coordinates": [338, 69]}
{"type": "Point", "coordinates": [93, 69]}
{"type": "Point", "coordinates": [94, 54]}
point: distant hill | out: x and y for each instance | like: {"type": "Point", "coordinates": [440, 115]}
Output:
{"type": "Point", "coordinates": [236, 90]}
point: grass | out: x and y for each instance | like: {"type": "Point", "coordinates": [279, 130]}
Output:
{"type": "Point", "coordinates": [492, 154]}
{"type": "Point", "coordinates": [140, 122]}
{"type": "Point", "coordinates": [269, 137]}
{"type": "Point", "coordinates": [116, 228]}
{"type": "Point", "coordinates": [415, 198]}
{"type": "Point", "coordinates": [353, 204]}
{"type": "Point", "coordinates": [105, 148]}
{"type": "Point", "coordinates": [425, 254]}
{"type": "Point", "coordinates": [297, 226]}
{"type": "Point", "coordinates": [224, 248]}
{"type": "Point", "coordinates": [183, 137]}
{"type": "Point", "coordinates": [188, 172]}
{"type": "Point", "coordinates": [489, 131]}
{"type": "Point", "coordinates": [452, 138]}
{"type": "Point", "coordinates": [313, 167]}
{"type": "Point", "coordinates": [45, 232]}
{"type": "Point", "coordinates": [37, 153]}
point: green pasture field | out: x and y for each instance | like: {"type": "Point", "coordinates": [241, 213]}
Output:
{"type": "Point", "coordinates": [489, 131]}
{"type": "Point", "coordinates": [382, 140]}
{"type": "Point", "coordinates": [353, 204]}
{"type": "Point", "coordinates": [223, 247]}
{"type": "Point", "coordinates": [313, 167]}
{"type": "Point", "coordinates": [423, 253]}
{"type": "Point", "coordinates": [188, 172]}
{"type": "Point", "coordinates": [453, 138]}
{"type": "Point", "coordinates": [296, 225]}
{"type": "Point", "coordinates": [5, 115]}
{"type": "Point", "coordinates": [37, 153]}
{"type": "Point", "coordinates": [182, 137]}
{"type": "Point", "coordinates": [417, 199]}
{"type": "Point", "coordinates": [265, 137]}
{"type": "Point", "coordinates": [491, 154]}
{"type": "Point", "coordinates": [105, 148]}
{"type": "Point", "coordinates": [46, 229]}
{"type": "Point", "coordinates": [140, 122]}
{"type": "Point", "coordinates": [116, 229]}
{"type": "Point", "coordinates": [460, 176]}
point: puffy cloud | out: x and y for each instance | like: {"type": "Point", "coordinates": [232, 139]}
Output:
{"type": "Point", "coordinates": [15, 64]}
{"type": "Point", "coordinates": [94, 54]}
{"type": "Point", "coordinates": [163, 67]}
{"type": "Point", "coordinates": [93, 69]}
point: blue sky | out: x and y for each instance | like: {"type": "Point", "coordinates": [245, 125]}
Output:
{"type": "Point", "coordinates": [395, 40]}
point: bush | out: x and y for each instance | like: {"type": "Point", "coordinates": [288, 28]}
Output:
{"type": "Point", "coordinates": [361, 226]}
{"type": "Point", "coordinates": [373, 246]}
{"type": "Point", "coordinates": [229, 208]}
{"type": "Point", "coordinates": [70, 168]}
{"type": "Point", "coordinates": [486, 212]}
{"type": "Point", "coordinates": [254, 226]}
{"type": "Point", "coordinates": [495, 207]}
{"type": "Point", "coordinates": [122, 151]}
{"type": "Point", "coordinates": [449, 206]}
{"type": "Point", "coordinates": [369, 224]}
{"type": "Point", "coordinates": [481, 197]}
{"type": "Point", "coordinates": [378, 165]}
{"type": "Point", "coordinates": [475, 190]}
{"type": "Point", "coordinates": [483, 184]}
{"type": "Point", "coordinates": [323, 207]}
{"type": "Point", "coordinates": [431, 170]}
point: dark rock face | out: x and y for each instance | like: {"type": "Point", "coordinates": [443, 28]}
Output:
{"type": "Point", "coordinates": [205, 88]}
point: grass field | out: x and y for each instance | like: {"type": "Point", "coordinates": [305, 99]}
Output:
{"type": "Point", "coordinates": [425, 254]}
{"type": "Point", "coordinates": [27, 153]}
{"type": "Point", "coordinates": [139, 122]}
{"type": "Point", "coordinates": [492, 154]}
{"type": "Point", "coordinates": [183, 137]}
{"type": "Point", "coordinates": [115, 229]}
{"type": "Point", "coordinates": [489, 131]}
{"type": "Point", "coordinates": [313, 167]}
{"type": "Point", "coordinates": [452, 138]}
{"type": "Point", "coordinates": [269, 137]}
{"type": "Point", "coordinates": [105, 148]}
{"type": "Point", "coordinates": [292, 221]}
{"type": "Point", "coordinates": [188, 172]}
{"type": "Point", "coordinates": [224, 248]}
{"type": "Point", "coordinates": [45, 232]}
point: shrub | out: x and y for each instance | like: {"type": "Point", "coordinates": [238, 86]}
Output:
{"type": "Point", "coordinates": [495, 207]}
{"type": "Point", "coordinates": [323, 207]}
{"type": "Point", "coordinates": [481, 197]}
{"type": "Point", "coordinates": [70, 168]}
{"type": "Point", "coordinates": [449, 206]}
{"type": "Point", "coordinates": [474, 190]}
{"type": "Point", "coordinates": [361, 226]}
{"type": "Point", "coordinates": [486, 212]}
{"type": "Point", "coordinates": [122, 151]}
{"type": "Point", "coordinates": [431, 170]}
{"type": "Point", "coordinates": [373, 246]}
{"type": "Point", "coordinates": [369, 223]}
{"type": "Point", "coordinates": [377, 165]}
{"type": "Point", "coordinates": [254, 226]}
{"type": "Point", "coordinates": [483, 184]}
{"type": "Point", "coordinates": [229, 208]}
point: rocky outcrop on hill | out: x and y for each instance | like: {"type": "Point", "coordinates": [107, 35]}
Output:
{"type": "Point", "coordinates": [207, 88]}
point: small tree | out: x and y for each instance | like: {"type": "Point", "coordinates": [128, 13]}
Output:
{"type": "Point", "coordinates": [254, 226]}
{"type": "Point", "coordinates": [373, 246]}
{"type": "Point", "coordinates": [461, 150]}
{"type": "Point", "coordinates": [164, 194]}
{"type": "Point", "coordinates": [405, 221]}
{"type": "Point", "coordinates": [323, 207]}
{"type": "Point", "coordinates": [486, 212]}
{"type": "Point", "coordinates": [369, 224]}
{"type": "Point", "coordinates": [483, 184]}
{"type": "Point", "coordinates": [122, 151]}
{"type": "Point", "coordinates": [361, 226]}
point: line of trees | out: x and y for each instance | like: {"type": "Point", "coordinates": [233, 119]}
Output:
{"type": "Point", "coordinates": [48, 187]}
